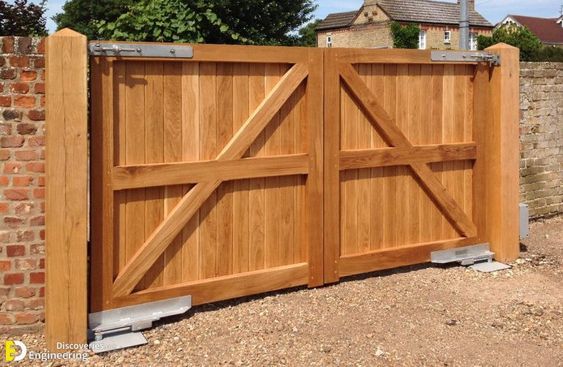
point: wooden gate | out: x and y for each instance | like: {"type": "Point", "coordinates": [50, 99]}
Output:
{"type": "Point", "coordinates": [245, 170]}
{"type": "Point", "coordinates": [206, 174]}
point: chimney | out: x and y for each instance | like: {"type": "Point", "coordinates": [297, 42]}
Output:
{"type": "Point", "coordinates": [470, 4]}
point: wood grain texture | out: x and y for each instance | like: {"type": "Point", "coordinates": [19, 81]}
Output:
{"type": "Point", "coordinates": [67, 189]}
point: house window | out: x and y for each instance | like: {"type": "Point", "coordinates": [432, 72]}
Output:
{"type": "Point", "coordinates": [473, 41]}
{"type": "Point", "coordinates": [422, 40]}
{"type": "Point", "coordinates": [448, 37]}
{"type": "Point", "coordinates": [329, 41]}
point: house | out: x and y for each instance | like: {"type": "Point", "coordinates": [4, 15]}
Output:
{"type": "Point", "coordinates": [548, 30]}
{"type": "Point", "coordinates": [370, 26]}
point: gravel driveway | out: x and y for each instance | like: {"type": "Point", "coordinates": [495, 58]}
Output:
{"type": "Point", "coordinates": [448, 316]}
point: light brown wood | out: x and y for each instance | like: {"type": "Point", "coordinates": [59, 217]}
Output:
{"type": "Point", "coordinates": [152, 175]}
{"type": "Point", "coordinates": [66, 189]}
{"type": "Point", "coordinates": [186, 208]}
{"type": "Point", "coordinates": [385, 157]}
{"type": "Point", "coordinates": [503, 154]}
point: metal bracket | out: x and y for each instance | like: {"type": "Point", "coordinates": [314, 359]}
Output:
{"type": "Point", "coordinates": [465, 56]}
{"type": "Point", "coordinates": [478, 257]}
{"type": "Point", "coordinates": [141, 50]}
{"type": "Point", "coordinates": [117, 329]}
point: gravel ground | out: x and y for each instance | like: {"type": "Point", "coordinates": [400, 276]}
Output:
{"type": "Point", "coordinates": [418, 316]}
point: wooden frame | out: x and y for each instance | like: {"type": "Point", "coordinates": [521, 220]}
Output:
{"type": "Point", "coordinates": [491, 153]}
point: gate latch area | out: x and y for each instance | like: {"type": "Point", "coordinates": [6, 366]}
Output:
{"type": "Point", "coordinates": [465, 56]}
{"type": "Point", "coordinates": [478, 257]}
{"type": "Point", "coordinates": [140, 50]}
{"type": "Point", "coordinates": [119, 328]}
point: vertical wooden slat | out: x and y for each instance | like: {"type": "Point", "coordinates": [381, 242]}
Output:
{"type": "Point", "coordinates": [363, 128]}
{"type": "Point", "coordinates": [67, 183]}
{"type": "Point", "coordinates": [256, 196]}
{"type": "Point", "coordinates": [502, 154]}
{"type": "Point", "coordinates": [241, 233]}
{"type": "Point", "coordinates": [390, 174]}
{"type": "Point", "coordinates": [225, 191]}
{"type": "Point", "coordinates": [208, 151]}
{"type": "Point", "coordinates": [448, 113]}
{"type": "Point", "coordinates": [436, 138]}
{"type": "Point", "coordinates": [190, 153]}
{"type": "Point", "coordinates": [414, 126]}
{"type": "Point", "coordinates": [377, 214]}
{"type": "Point", "coordinates": [403, 173]}
{"type": "Point", "coordinates": [426, 208]}
{"type": "Point", "coordinates": [154, 137]}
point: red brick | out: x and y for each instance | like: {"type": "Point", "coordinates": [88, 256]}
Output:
{"type": "Point", "coordinates": [22, 180]}
{"type": "Point", "coordinates": [24, 101]}
{"type": "Point", "coordinates": [5, 101]}
{"type": "Point", "coordinates": [12, 141]}
{"type": "Point", "coordinates": [28, 76]}
{"type": "Point", "coordinates": [38, 62]}
{"type": "Point", "coordinates": [37, 221]}
{"type": "Point", "coordinates": [19, 61]}
{"type": "Point", "coordinates": [26, 155]}
{"type": "Point", "coordinates": [5, 129]}
{"type": "Point", "coordinates": [11, 167]}
{"type": "Point", "coordinates": [14, 305]}
{"type": "Point", "coordinates": [36, 115]}
{"type": "Point", "coordinates": [39, 193]}
{"type": "Point", "coordinates": [23, 208]}
{"type": "Point", "coordinates": [27, 318]}
{"type": "Point", "coordinates": [25, 45]}
{"type": "Point", "coordinates": [13, 278]}
{"type": "Point", "coordinates": [24, 292]}
{"type": "Point", "coordinates": [4, 238]}
{"type": "Point", "coordinates": [25, 236]}
{"type": "Point", "coordinates": [19, 88]}
{"type": "Point", "coordinates": [42, 263]}
{"type": "Point", "coordinates": [35, 304]}
{"type": "Point", "coordinates": [37, 278]}
{"type": "Point", "coordinates": [16, 194]}
{"type": "Point", "coordinates": [25, 264]}
{"type": "Point", "coordinates": [4, 207]}
{"type": "Point", "coordinates": [8, 45]}
{"type": "Point", "coordinates": [5, 291]}
{"type": "Point", "coordinates": [6, 318]}
{"type": "Point", "coordinates": [13, 222]}
{"type": "Point", "coordinates": [41, 181]}
{"type": "Point", "coordinates": [42, 101]}
{"type": "Point", "coordinates": [26, 129]}
{"type": "Point", "coordinates": [2, 61]}
{"type": "Point", "coordinates": [4, 154]}
{"type": "Point", "coordinates": [12, 115]}
{"type": "Point", "coordinates": [1, 84]}
{"type": "Point", "coordinates": [4, 180]}
{"type": "Point", "coordinates": [39, 88]}
{"type": "Point", "coordinates": [36, 167]}
{"type": "Point", "coordinates": [5, 266]}
{"type": "Point", "coordinates": [37, 249]}
{"type": "Point", "coordinates": [41, 46]}
{"type": "Point", "coordinates": [15, 250]}
{"type": "Point", "coordinates": [8, 73]}
{"type": "Point", "coordinates": [36, 141]}
{"type": "Point", "coordinates": [42, 292]}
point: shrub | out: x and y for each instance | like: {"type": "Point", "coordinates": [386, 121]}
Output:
{"type": "Point", "coordinates": [405, 36]}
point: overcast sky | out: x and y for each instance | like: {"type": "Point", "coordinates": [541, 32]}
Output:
{"type": "Point", "coordinates": [493, 10]}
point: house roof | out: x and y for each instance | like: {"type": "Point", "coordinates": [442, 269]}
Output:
{"type": "Point", "coordinates": [546, 29]}
{"type": "Point", "coordinates": [417, 11]}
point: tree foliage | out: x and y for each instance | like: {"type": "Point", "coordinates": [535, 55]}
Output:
{"type": "Point", "coordinates": [22, 19]}
{"type": "Point", "coordinates": [405, 36]}
{"type": "Point", "coordinates": [211, 21]}
{"type": "Point", "coordinates": [520, 37]}
{"type": "Point", "coordinates": [84, 15]}
{"type": "Point", "coordinates": [308, 34]}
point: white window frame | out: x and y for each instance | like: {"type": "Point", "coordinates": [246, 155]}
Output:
{"type": "Point", "coordinates": [473, 46]}
{"type": "Point", "coordinates": [448, 37]}
{"type": "Point", "coordinates": [329, 41]}
{"type": "Point", "coordinates": [422, 40]}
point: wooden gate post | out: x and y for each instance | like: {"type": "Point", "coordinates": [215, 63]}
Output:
{"type": "Point", "coordinates": [502, 156]}
{"type": "Point", "coordinates": [66, 188]}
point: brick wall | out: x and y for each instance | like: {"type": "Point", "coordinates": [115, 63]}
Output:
{"type": "Point", "coordinates": [22, 182]}
{"type": "Point", "coordinates": [541, 130]}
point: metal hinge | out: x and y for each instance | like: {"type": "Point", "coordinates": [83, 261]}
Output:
{"type": "Point", "coordinates": [140, 50]}
{"type": "Point", "coordinates": [118, 328]}
{"type": "Point", "coordinates": [465, 56]}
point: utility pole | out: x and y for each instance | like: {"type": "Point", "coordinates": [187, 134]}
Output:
{"type": "Point", "coordinates": [464, 26]}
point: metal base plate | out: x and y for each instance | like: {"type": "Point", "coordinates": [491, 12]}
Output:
{"type": "Point", "coordinates": [117, 341]}
{"type": "Point", "coordinates": [465, 255]}
{"type": "Point", "coordinates": [490, 267]}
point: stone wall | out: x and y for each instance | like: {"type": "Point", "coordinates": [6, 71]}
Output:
{"type": "Point", "coordinates": [541, 131]}
{"type": "Point", "coordinates": [22, 181]}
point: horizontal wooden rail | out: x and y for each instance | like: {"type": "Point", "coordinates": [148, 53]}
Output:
{"type": "Point", "coordinates": [395, 257]}
{"type": "Point", "coordinates": [386, 157]}
{"type": "Point", "coordinates": [226, 287]}
{"type": "Point", "coordinates": [153, 175]}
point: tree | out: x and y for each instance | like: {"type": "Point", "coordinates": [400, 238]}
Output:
{"type": "Point", "coordinates": [248, 21]}
{"type": "Point", "coordinates": [308, 34]}
{"type": "Point", "coordinates": [520, 37]}
{"type": "Point", "coordinates": [22, 19]}
{"type": "Point", "coordinates": [167, 20]}
{"type": "Point", "coordinates": [405, 36]}
{"type": "Point", "coordinates": [84, 15]}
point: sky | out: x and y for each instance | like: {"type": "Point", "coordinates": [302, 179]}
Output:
{"type": "Point", "coordinates": [493, 10]}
